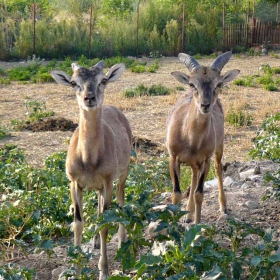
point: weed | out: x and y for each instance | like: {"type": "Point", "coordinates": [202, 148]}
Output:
{"type": "Point", "coordinates": [265, 80]}
{"type": "Point", "coordinates": [180, 88]}
{"type": "Point", "coordinates": [198, 56]}
{"type": "Point", "coordinates": [4, 132]}
{"type": "Point", "coordinates": [36, 110]}
{"type": "Point", "coordinates": [142, 90]}
{"type": "Point", "coordinates": [248, 81]}
{"type": "Point", "coordinates": [153, 67]}
{"type": "Point", "coordinates": [239, 117]}
{"type": "Point", "coordinates": [11, 271]}
{"type": "Point", "coordinates": [138, 68]}
{"type": "Point", "coordinates": [2, 72]}
{"type": "Point", "coordinates": [270, 87]}
{"type": "Point", "coordinates": [273, 54]}
{"type": "Point", "coordinates": [5, 81]}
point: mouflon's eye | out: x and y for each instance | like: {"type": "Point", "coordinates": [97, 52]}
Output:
{"type": "Point", "coordinates": [104, 81]}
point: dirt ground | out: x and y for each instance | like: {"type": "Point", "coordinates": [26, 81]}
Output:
{"type": "Point", "coordinates": [147, 116]}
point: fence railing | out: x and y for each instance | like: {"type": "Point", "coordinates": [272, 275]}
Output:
{"type": "Point", "coordinates": [248, 35]}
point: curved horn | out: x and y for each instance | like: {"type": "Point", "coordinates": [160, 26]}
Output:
{"type": "Point", "coordinates": [221, 61]}
{"type": "Point", "coordinates": [189, 61]}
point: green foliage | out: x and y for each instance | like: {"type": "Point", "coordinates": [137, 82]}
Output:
{"type": "Point", "coordinates": [142, 90]}
{"type": "Point", "coordinates": [34, 202]}
{"type": "Point", "coordinates": [270, 87]}
{"type": "Point", "coordinates": [10, 271]}
{"type": "Point", "coordinates": [5, 81]}
{"type": "Point", "coordinates": [4, 131]}
{"type": "Point", "coordinates": [267, 142]}
{"type": "Point", "coordinates": [239, 117]}
{"type": "Point", "coordinates": [248, 81]}
{"type": "Point", "coordinates": [138, 68]}
{"type": "Point", "coordinates": [153, 67]}
{"type": "Point", "coordinates": [267, 146]}
{"type": "Point", "coordinates": [36, 111]}
{"type": "Point", "coordinates": [80, 258]}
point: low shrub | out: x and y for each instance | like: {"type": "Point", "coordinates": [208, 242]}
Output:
{"type": "Point", "coordinates": [239, 117]}
{"type": "Point", "coordinates": [142, 90]}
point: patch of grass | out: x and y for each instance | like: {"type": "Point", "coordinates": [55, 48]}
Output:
{"type": "Point", "coordinates": [153, 67]}
{"type": "Point", "coordinates": [142, 90]}
{"type": "Point", "coordinates": [198, 56]}
{"type": "Point", "coordinates": [265, 80]}
{"type": "Point", "coordinates": [2, 72]}
{"type": "Point", "coordinates": [36, 111]}
{"type": "Point", "coordinates": [5, 81]}
{"type": "Point", "coordinates": [4, 132]}
{"type": "Point", "coordinates": [180, 88]}
{"type": "Point", "coordinates": [273, 54]}
{"type": "Point", "coordinates": [138, 68]}
{"type": "Point", "coordinates": [270, 87]}
{"type": "Point", "coordinates": [239, 117]}
{"type": "Point", "coordinates": [247, 81]}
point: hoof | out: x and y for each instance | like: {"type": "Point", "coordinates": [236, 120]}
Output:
{"type": "Point", "coordinates": [223, 218]}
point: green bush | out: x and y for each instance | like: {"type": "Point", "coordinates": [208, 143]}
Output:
{"type": "Point", "coordinates": [267, 146]}
{"type": "Point", "coordinates": [4, 131]}
{"type": "Point", "coordinates": [239, 117]}
{"type": "Point", "coordinates": [142, 90]}
{"type": "Point", "coordinates": [270, 87]}
{"type": "Point", "coordinates": [267, 142]}
{"type": "Point", "coordinates": [248, 81]}
{"type": "Point", "coordinates": [138, 68]}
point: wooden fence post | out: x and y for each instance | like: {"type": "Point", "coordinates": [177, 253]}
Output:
{"type": "Point", "coordinates": [90, 31]}
{"type": "Point", "coordinates": [34, 27]}
{"type": "Point", "coordinates": [137, 30]}
{"type": "Point", "coordinates": [277, 11]}
{"type": "Point", "coordinates": [223, 31]}
{"type": "Point", "coordinates": [183, 28]}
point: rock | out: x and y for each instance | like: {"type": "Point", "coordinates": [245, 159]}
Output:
{"type": "Point", "coordinates": [252, 204]}
{"type": "Point", "coordinates": [245, 187]}
{"type": "Point", "coordinates": [223, 218]}
{"type": "Point", "coordinates": [57, 271]}
{"type": "Point", "coordinates": [152, 227]}
{"type": "Point", "coordinates": [245, 174]}
{"type": "Point", "coordinates": [228, 181]}
{"type": "Point", "coordinates": [212, 183]}
{"type": "Point", "coordinates": [254, 178]}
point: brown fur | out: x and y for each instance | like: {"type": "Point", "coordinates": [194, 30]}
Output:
{"type": "Point", "coordinates": [99, 150]}
{"type": "Point", "coordinates": [195, 131]}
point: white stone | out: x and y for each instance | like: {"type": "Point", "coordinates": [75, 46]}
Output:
{"type": "Point", "coordinates": [228, 181]}
{"type": "Point", "coordinates": [245, 187]}
{"type": "Point", "coordinates": [252, 204]}
{"type": "Point", "coordinates": [152, 227]}
{"type": "Point", "coordinates": [57, 271]}
{"type": "Point", "coordinates": [223, 218]}
{"type": "Point", "coordinates": [246, 174]}
{"type": "Point", "coordinates": [212, 183]}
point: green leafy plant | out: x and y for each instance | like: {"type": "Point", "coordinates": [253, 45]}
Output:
{"type": "Point", "coordinates": [239, 117]}
{"type": "Point", "coordinates": [4, 132]}
{"type": "Point", "coordinates": [138, 68]}
{"type": "Point", "coordinates": [36, 110]}
{"type": "Point", "coordinates": [11, 271]}
{"type": "Point", "coordinates": [248, 81]}
{"type": "Point", "coordinates": [142, 90]}
{"type": "Point", "coordinates": [267, 146]}
{"type": "Point", "coordinates": [153, 67]}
